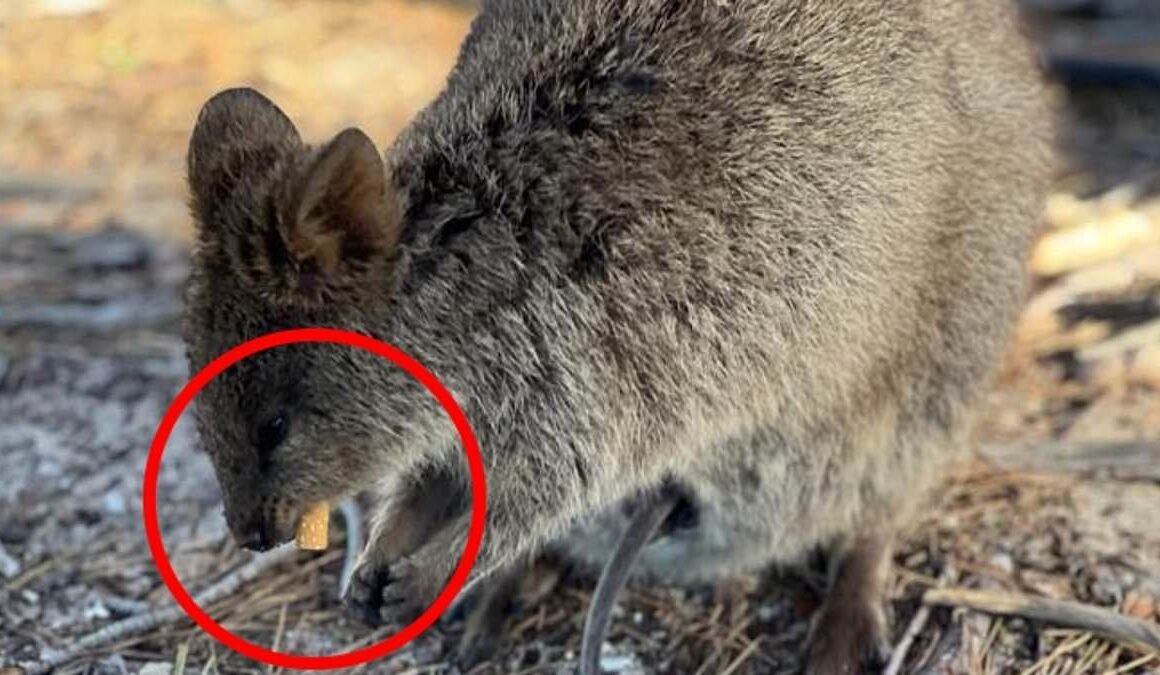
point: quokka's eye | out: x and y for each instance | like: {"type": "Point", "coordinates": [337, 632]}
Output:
{"type": "Point", "coordinates": [270, 436]}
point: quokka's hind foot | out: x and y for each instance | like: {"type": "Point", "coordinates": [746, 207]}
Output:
{"type": "Point", "coordinates": [486, 612]}
{"type": "Point", "coordinates": [849, 634]}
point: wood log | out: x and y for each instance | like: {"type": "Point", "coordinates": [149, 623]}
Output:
{"type": "Point", "coordinates": [1123, 461]}
{"type": "Point", "coordinates": [1063, 251]}
{"type": "Point", "coordinates": [1141, 635]}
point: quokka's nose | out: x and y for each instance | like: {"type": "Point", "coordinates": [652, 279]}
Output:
{"type": "Point", "coordinates": [255, 538]}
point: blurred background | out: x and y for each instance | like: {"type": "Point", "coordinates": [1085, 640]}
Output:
{"type": "Point", "coordinates": [97, 100]}
{"type": "Point", "coordinates": [98, 97]}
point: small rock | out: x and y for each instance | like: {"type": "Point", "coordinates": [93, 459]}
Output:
{"type": "Point", "coordinates": [96, 611]}
{"type": "Point", "coordinates": [1003, 561]}
{"type": "Point", "coordinates": [30, 596]}
{"type": "Point", "coordinates": [1140, 605]}
{"type": "Point", "coordinates": [110, 665]}
{"type": "Point", "coordinates": [9, 566]}
{"type": "Point", "coordinates": [766, 613]}
{"type": "Point", "coordinates": [110, 250]}
{"type": "Point", "coordinates": [15, 532]}
{"type": "Point", "coordinates": [48, 468]}
{"type": "Point", "coordinates": [113, 502]}
{"type": "Point", "coordinates": [618, 663]}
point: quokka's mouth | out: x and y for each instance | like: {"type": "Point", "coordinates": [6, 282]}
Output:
{"type": "Point", "coordinates": [269, 530]}
{"type": "Point", "coordinates": [261, 539]}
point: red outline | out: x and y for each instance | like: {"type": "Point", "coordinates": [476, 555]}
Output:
{"type": "Point", "coordinates": [474, 534]}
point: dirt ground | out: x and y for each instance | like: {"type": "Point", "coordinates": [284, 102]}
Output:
{"type": "Point", "coordinates": [1059, 502]}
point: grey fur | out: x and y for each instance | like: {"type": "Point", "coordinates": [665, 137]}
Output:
{"type": "Point", "coordinates": [767, 248]}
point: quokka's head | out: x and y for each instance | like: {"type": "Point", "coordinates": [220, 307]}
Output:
{"type": "Point", "coordinates": [288, 236]}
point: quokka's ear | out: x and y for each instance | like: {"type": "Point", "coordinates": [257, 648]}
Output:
{"type": "Point", "coordinates": [342, 215]}
{"type": "Point", "coordinates": [240, 135]}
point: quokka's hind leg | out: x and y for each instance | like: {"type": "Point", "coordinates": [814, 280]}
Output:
{"type": "Point", "coordinates": [495, 600]}
{"type": "Point", "coordinates": [849, 633]}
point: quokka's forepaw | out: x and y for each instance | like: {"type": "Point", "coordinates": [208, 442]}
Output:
{"type": "Point", "coordinates": [364, 599]}
{"type": "Point", "coordinates": [393, 594]}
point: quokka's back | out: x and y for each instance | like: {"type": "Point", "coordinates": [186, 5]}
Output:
{"type": "Point", "coordinates": [805, 213]}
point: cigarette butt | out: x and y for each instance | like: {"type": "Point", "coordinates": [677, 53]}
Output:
{"type": "Point", "coordinates": [313, 528]}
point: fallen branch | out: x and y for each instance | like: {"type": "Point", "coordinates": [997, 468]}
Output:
{"type": "Point", "coordinates": [1134, 338]}
{"type": "Point", "coordinates": [137, 625]}
{"type": "Point", "coordinates": [917, 624]}
{"type": "Point", "coordinates": [225, 587]}
{"type": "Point", "coordinates": [50, 188]}
{"type": "Point", "coordinates": [146, 309]}
{"type": "Point", "coordinates": [1093, 243]}
{"type": "Point", "coordinates": [1117, 627]}
{"type": "Point", "coordinates": [898, 656]}
{"type": "Point", "coordinates": [1120, 461]}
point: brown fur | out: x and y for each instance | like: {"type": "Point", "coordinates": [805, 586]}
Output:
{"type": "Point", "coordinates": [849, 631]}
{"type": "Point", "coordinates": [769, 249]}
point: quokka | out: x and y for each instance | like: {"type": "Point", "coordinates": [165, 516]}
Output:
{"type": "Point", "coordinates": [764, 252]}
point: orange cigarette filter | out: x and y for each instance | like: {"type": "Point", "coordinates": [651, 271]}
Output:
{"type": "Point", "coordinates": [314, 528]}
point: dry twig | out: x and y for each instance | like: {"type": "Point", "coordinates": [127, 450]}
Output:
{"type": "Point", "coordinates": [742, 657]}
{"type": "Point", "coordinates": [1122, 461]}
{"type": "Point", "coordinates": [1126, 630]}
{"type": "Point", "coordinates": [137, 625]}
{"type": "Point", "coordinates": [898, 656]}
